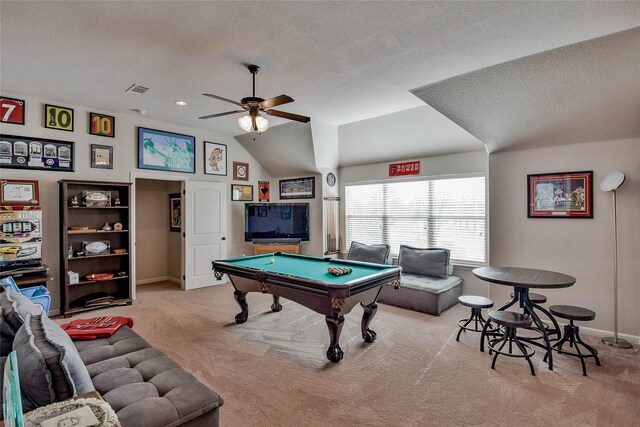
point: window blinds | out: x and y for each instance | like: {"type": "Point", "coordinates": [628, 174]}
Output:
{"type": "Point", "coordinates": [446, 213]}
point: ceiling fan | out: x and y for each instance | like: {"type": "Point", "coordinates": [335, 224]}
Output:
{"type": "Point", "coordinates": [253, 121]}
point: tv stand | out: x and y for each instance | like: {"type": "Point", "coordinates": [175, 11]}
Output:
{"type": "Point", "coordinates": [267, 246]}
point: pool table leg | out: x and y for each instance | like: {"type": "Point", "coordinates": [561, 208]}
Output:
{"type": "Point", "coordinates": [369, 311]}
{"type": "Point", "coordinates": [276, 306]}
{"type": "Point", "coordinates": [241, 299]}
{"type": "Point", "coordinates": [334, 353]}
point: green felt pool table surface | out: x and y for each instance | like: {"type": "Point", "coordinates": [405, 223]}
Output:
{"type": "Point", "coordinates": [310, 268]}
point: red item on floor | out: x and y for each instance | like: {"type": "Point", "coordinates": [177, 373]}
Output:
{"type": "Point", "coordinates": [97, 327]}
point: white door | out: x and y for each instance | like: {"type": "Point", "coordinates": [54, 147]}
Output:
{"type": "Point", "coordinates": [205, 231]}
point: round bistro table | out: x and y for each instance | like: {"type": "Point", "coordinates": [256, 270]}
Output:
{"type": "Point", "coordinates": [523, 279]}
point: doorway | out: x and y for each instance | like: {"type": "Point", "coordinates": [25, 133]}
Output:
{"type": "Point", "coordinates": [159, 244]}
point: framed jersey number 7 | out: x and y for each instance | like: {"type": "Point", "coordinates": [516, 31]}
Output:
{"type": "Point", "coordinates": [12, 110]}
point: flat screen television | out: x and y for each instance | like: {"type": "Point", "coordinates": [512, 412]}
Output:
{"type": "Point", "coordinates": [276, 221]}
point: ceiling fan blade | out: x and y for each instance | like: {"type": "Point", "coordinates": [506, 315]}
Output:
{"type": "Point", "coordinates": [275, 101]}
{"type": "Point", "coordinates": [211, 116]}
{"type": "Point", "coordinates": [223, 99]}
{"type": "Point", "coordinates": [290, 116]}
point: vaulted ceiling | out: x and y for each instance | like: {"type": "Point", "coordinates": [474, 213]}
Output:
{"type": "Point", "coordinates": [350, 65]}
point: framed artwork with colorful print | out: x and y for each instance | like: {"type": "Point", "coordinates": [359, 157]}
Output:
{"type": "Point", "coordinates": [11, 110]}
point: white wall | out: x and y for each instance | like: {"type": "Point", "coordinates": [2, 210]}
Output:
{"type": "Point", "coordinates": [125, 163]}
{"type": "Point", "coordinates": [582, 248]}
{"type": "Point", "coordinates": [476, 161]}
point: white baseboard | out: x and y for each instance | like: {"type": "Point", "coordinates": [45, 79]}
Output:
{"type": "Point", "coordinates": [155, 279]}
{"type": "Point", "coordinates": [633, 339]}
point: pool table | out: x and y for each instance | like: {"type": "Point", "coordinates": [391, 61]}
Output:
{"type": "Point", "coordinates": [305, 280]}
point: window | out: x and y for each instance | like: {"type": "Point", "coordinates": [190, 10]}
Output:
{"type": "Point", "coordinates": [437, 213]}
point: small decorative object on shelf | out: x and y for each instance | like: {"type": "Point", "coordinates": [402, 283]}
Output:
{"type": "Point", "coordinates": [74, 278]}
{"type": "Point", "coordinates": [74, 201]}
{"type": "Point", "coordinates": [107, 227]}
{"type": "Point", "coordinates": [70, 252]}
{"type": "Point", "coordinates": [99, 276]}
{"type": "Point", "coordinates": [117, 226]}
{"type": "Point", "coordinates": [97, 198]}
{"type": "Point", "coordinates": [117, 201]}
{"type": "Point", "coordinates": [119, 251]}
{"type": "Point", "coordinates": [99, 247]}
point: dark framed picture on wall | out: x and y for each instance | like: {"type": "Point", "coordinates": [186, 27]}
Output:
{"type": "Point", "coordinates": [240, 171]}
{"type": "Point", "coordinates": [101, 156]}
{"type": "Point", "coordinates": [560, 195]}
{"type": "Point", "coordinates": [102, 125]}
{"type": "Point", "coordinates": [215, 158]}
{"type": "Point", "coordinates": [299, 188]}
{"type": "Point", "coordinates": [23, 152]}
{"type": "Point", "coordinates": [60, 118]}
{"type": "Point", "coordinates": [12, 110]}
{"type": "Point", "coordinates": [175, 212]}
{"type": "Point", "coordinates": [166, 151]}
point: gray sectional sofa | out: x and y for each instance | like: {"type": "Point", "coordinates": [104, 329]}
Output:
{"type": "Point", "coordinates": [142, 384]}
{"type": "Point", "coordinates": [426, 283]}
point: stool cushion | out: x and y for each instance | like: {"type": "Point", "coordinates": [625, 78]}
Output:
{"type": "Point", "coordinates": [571, 312]}
{"type": "Point", "coordinates": [510, 319]}
{"type": "Point", "coordinates": [475, 301]}
{"type": "Point", "coordinates": [535, 298]}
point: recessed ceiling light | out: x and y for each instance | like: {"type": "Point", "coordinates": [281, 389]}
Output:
{"type": "Point", "coordinates": [181, 103]}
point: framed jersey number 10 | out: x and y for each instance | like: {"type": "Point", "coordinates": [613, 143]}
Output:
{"type": "Point", "coordinates": [60, 118]}
{"type": "Point", "coordinates": [102, 125]}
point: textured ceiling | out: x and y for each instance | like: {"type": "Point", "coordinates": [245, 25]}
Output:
{"type": "Point", "coordinates": [343, 62]}
{"type": "Point", "coordinates": [285, 150]}
{"type": "Point", "coordinates": [588, 91]}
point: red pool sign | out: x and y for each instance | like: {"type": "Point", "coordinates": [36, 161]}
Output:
{"type": "Point", "coordinates": [404, 168]}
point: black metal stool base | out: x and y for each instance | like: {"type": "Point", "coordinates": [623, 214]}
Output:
{"type": "Point", "coordinates": [476, 318]}
{"type": "Point", "coordinates": [510, 337]}
{"type": "Point", "coordinates": [572, 336]}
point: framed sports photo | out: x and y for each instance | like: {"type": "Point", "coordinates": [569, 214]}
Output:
{"type": "Point", "coordinates": [102, 125]}
{"type": "Point", "coordinates": [60, 118]}
{"type": "Point", "coordinates": [166, 151]}
{"type": "Point", "coordinates": [19, 192]}
{"type": "Point", "coordinates": [12, 110]}
{"type": "Point", "coordinates": [23, 152]}
{"type": "Point", "coordinates": [101, 156]}
{"type": "Point", "coordinates": [300, 188]}
{"type": "Point", "coordinates": [560, 195]}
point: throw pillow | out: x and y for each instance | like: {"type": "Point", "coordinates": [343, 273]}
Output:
{"type": "Point", "coordinates": [369, 253]}
{"type": "Point", "coordinates": [430, 262]}
{"type": "Point", "coordinates": [49, 365]}
{"type": "Point", "coordinates": [15, 308]}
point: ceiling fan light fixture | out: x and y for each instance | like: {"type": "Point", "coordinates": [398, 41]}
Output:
{"type": "Point", "coordinates": [245, 123]}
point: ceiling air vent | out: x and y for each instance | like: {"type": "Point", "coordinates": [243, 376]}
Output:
{"type": "Point", "coordinates": [137, 89]}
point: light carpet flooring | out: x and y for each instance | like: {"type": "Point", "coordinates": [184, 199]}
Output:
{"type": "Point", "coordinates": [272, 370]}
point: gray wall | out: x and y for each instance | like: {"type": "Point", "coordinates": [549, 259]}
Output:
{"type": "Point", "coordinates": [582, 248]}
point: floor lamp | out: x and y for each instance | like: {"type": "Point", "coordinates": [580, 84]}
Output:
{"type": "Point", "coordinates": [611, 182]}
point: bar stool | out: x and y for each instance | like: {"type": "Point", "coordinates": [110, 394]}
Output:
{"type": "Point", "coordinates": [572, 333]}
{"type": "Point", "coordinates": [477, 303]}
{"type": "Point", "coordinates": [510, 321]}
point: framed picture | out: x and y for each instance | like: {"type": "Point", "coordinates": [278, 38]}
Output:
{"type": "Point", "coordinates": [240, 171]}
{"type": "Point", "coordinates": [101, 156]}
{"type": "Point", "coordinates": [102, 125]}
{"type": "Point", "coordinates": [263, 191]}
{"type": "Point", "coordinates": [166, 151]}
{"type": "Point", "coordinates": [241, 193]}
{"type": "Point", "coordinates": [60, 118]}
{"type": "Point", "coordinates": [175, 212]}
{"type": "Point", "coordinates": [12, 110]}
{"type": "Point", "coordinates": [19, 192]}
{"type": "Point", "coordinates": [215, 158]}
{"type": "Point", "coordinates": [300, 188]}
{"type": "Point", "coordinates": [560, 195]}
{"type": "Point", "coordinates": [23, 152]}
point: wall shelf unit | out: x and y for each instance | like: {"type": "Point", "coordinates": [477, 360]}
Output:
{"type": "Point", "coordinates": [79, 297]}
